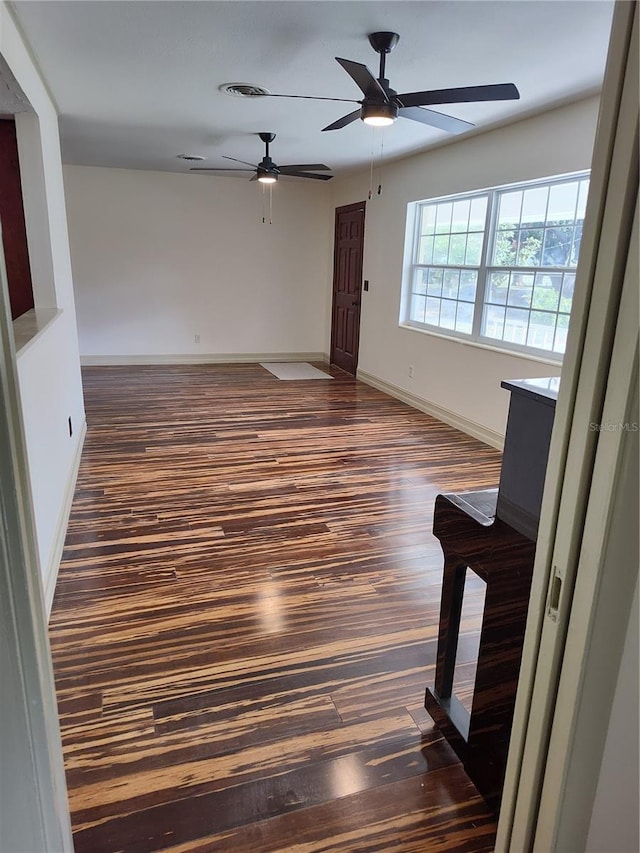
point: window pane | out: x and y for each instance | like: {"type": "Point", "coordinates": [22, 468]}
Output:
{"type": "Point", "coordinates": [542, 327]}
{"type": "Point", "coordinates": [577, 240]}
{"type": "Point", "coordinates": [505, 248]}
{"type": "Point", "coordinates": [582, 200]}
{"type": "Point", "coordinates": [448, 314]}
{"type": "Point", "coordinates": [520, 290]}
{"type": "Point", "coordinates": [417, 308]}
{"type": "Point", "coordinates": [428, 224]}
{"type": "Point", "coordinates": [435, 282]}
{"type": "Point", "coordinates": [478, 214]}
{"type": "Point", "coordinates": [497, 287]}
{"type": "Point", "coordinates": [493, 322]}
{"type": "Point", "coordinates": [474, 250]}
{"type": "Point", "coordinates": [534, 206]}
{"type": "Point", "coordinates": [425, 251]}
{"type": "Point", "coordinates": [464, 317]}
{"type": "Point", "coordinates": [433, 311]}
{"type": "Point", "coordinates": [443, 218]}
{"type": "Point", "coordinates": [460, 216]}
{"type": "Point", "coordinates": [468, 282]}
{"type": "Point", "coordinates": [558, 241]}
{"type": "Point", "coordinates": [509, 209]}
{"type": "Point", "coordinates": [562, 203]}
{"type": "Point", "coordinates": [567, 292]}
{"type": "Point", "coordinates": [450, 285]}
{"type": "Point", "coordinates": [547, 293]}
{"type": "Point", "coordinates": [441, 249]}
{"type": "Point", "coordinates": [420, 281]}
{"type": "Point", "coordinates": [562, 327]}
{"type": "Point", "coordinates": [515, 325]}
{"type": "Point", "coordinates": [529, 248]}
{"type": "Point", "coordinates": [457, 249]}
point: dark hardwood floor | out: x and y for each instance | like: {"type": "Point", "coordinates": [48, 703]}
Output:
{"type": "Point", "coordinates": [246, 616]}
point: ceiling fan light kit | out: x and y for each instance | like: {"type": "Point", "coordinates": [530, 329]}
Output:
{"type": "Point", "coordinates": [379, 115]}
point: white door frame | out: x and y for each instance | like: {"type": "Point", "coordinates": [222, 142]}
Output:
{"type": "Point", "coordinates": [34, 813]}
{"type": "Point", "coordinates": [578, 590]}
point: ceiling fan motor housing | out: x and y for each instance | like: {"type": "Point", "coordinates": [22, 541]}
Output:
{"type": "Point", "coordinates": [383, 42]}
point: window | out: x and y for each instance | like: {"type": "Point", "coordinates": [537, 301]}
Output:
{"type": "Point", "coordinates": [499, 266]}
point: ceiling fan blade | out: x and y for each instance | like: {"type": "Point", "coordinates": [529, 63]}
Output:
{"type": "Point", "coordinates": [364, 79]}
{"type": "Point", "coordinates": [305, 167]}
{"type": "Point", "coordinates": [235, 159]}
{"type": "Point", "coordinates": [461, 95]}
{"type": "Point", "coordinates": [306, 175]}
{"type": "Point", "coordinates": [218, 169]}
{"type": "Point", "coordinates": [439, 120]}
{"type": "Point", "coordinates": [343, 122]}
{"type": "Point", "coordinates": [307, 98]}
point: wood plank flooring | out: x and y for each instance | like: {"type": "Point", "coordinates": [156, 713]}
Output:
{"type": "Point", "coordinates": [246, 615]}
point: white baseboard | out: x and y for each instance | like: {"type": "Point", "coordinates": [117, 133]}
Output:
{"type": "Point", "coordinates": [488, 436]}
{"type": "Point", "coordinates": [205, 358]}
{"type": "Point", "coordinates": [51, 575]}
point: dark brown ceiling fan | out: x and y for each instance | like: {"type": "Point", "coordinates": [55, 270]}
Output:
{"type": "Point", "coordinates": [381, 104]}
{"type": "Point", "coordinates": [268, 172]}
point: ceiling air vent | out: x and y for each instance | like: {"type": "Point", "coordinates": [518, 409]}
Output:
{"type": "Point", "coordinates": [192, 158]}
{"type": "Point", "coordinates": [243, 90]}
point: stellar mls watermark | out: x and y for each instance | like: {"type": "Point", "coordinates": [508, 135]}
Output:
{"type": "Point", "coordinates": [615, 426]}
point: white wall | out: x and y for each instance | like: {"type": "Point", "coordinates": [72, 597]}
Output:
{"type": "Point", "coordinates": [159, 258]}
{"type": "Point", "coordinates": [454, 378]}
{"type": "Point", "coordinates": [49, 366]}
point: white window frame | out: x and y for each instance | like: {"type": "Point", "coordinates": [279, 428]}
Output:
{"type": "Point", "coordinates": [483, 269]}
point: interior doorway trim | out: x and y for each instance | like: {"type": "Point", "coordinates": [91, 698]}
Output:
{"type": "Point", "coordinates": [34, 813]}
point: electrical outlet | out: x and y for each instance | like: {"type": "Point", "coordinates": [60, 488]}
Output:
{"type": "Point", "coordinates": [196, 339]}
{"type": "Point", "coordinates": [410, 371]}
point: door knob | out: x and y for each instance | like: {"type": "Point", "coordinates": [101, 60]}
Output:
{"type": "Point", "coordinates": [355, 303]}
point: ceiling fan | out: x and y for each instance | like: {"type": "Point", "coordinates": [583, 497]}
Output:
{"type": "Point", "coordinates": [268, 172]}
{"type": "Point", "coordinates": [381, 104]}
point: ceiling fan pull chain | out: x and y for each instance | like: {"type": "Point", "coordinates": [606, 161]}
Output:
{"type": "Point", "coordinates": [373, 148]}
{"type": "Point", "coordinates": [264, 201]}
{"type": "Point", "coordinates": [381, 163]}
{"type": "Point", "coordinates": [270, 204]}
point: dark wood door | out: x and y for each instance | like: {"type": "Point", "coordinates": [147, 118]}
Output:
{"type": "Point", "coordinates": [347, 286]}
{"type": "Point", "coordinates": [14, 234]}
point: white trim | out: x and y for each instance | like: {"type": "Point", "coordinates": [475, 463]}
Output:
{"type": "Point", "coordinates": [51, 574]}
{"type": "Point", "coordinates": [606, 578]}
{"type": "Point", "coordinates": [476, 430]}
{"type": "Point", "coordinates": [207, 358]}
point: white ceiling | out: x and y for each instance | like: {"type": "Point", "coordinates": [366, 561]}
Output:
{"type": "Point", "coordinates": [136, 83]}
